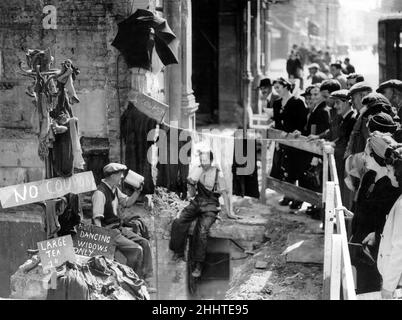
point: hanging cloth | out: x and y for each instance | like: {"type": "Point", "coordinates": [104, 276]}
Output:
{"type": "Point", "coordinates": [135, 127]}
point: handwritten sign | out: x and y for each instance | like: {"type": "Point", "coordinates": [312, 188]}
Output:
{"type": "Point", "coordinates": [149, 106]}
{"type": "Point", "coordinates": [54, 252]}
{"type": "Point", "coordinates": [92, 241]}
{"type": "Point", "coordinates": [17, 195]}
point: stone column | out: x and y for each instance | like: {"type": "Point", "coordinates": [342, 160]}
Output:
{"type": "Point", "coordinates": [256, 54]}
{"type": "Point", "coordinates": [174, 71]}
{"type": "Point", "coordinates": [189, 105]}
{"type": "Point", "coordinates": [267, 32]}
{"type": "Point", "coordinates": [247, 75]}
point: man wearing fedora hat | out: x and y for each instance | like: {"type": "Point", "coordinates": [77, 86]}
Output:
{"type": "Point", "coordinates": [267, 93]}
{"type": "Point", "coordinates": [105, 207]}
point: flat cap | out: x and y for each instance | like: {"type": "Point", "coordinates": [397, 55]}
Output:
{"type": "Point", "coordinates": [113, 168]}
{"type": "Point", "coordinates": [331, 85]}
{"type": "Point", "coordinates": [307, 92]}
{"type": "Point", "coordinates": [382, 122]}
{"type": "Point", "coordinates": [359, 87]}
{"type": "Point", "coordinates": [394, 83]}
{"type": "Point", "coordinates": [340, 94]}
{"type": "Point", "coordinates": [314, 65]}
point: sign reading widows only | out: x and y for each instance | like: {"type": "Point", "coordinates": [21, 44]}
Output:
{"type": "Point", "coordinates": [43, 190]}
{"type": "Point", "coordinates": [92, 241]}
{"type": "Point", "coordinates": [55, 252]}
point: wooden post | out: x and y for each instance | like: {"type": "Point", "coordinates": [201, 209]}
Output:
{"type": "Point", "coordinates": [329, 229]}
{"type": "Point", "coordinates": [347, 273]}
{"type": "Point", "coordinates": [325, 168]}
{"type": "Point", "coordinates": [264, 147]}
{"type": "Point", "coordinates": [336, 267]}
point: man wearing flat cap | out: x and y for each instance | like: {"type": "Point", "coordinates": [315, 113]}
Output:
{"type": "Point", "coordinates": [348, 116]}
{"type": "Point", "coordinates": [373, 104]}
{"type": "Point", "coordinates": [392, 90]}
{"type": "Point", "coordinates": [352, 79]}
{"type": "Point", "coordinates": [105, 207]}
{"type": "Point", "coordinates": [337, 74]}
{"type": "Point", "coordinates": [316, 76]}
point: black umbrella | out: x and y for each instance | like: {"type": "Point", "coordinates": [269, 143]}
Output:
{"type": "Point", "coordinates": [139, 34]}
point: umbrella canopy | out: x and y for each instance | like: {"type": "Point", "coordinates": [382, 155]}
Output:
{"type": "Point", "coordinates": [140, 34]}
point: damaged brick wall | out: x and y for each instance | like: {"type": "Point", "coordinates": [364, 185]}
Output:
{"type": "Point", "coordinates": [85, 30]}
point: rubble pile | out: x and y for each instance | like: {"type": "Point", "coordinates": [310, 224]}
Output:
{"type": "Point", "coordinates": [167, 203]}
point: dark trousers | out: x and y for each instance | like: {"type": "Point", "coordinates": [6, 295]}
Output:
{"type": "Point", "coordinates": [368, 279]}
{"type": "Point", "coordinates": [137, 251]}
{"type": "Point", "coordinates": [180, 228]}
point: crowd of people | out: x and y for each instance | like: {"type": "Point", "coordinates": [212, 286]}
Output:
{"type": "Point", "coordinates": [320, 66]}
{"type": "Point", "coordinates": [363, 124]}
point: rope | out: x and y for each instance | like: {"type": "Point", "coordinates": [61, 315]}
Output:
{"type": "Point", "coordinates": [232, 137]}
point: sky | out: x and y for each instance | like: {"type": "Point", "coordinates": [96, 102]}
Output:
{"type": "Point", "coordinates": [360, 4]}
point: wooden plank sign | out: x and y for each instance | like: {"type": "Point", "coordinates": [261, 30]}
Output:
{"type": "Point", "coordinates": [93, 241]}
{"type": "Point", "coordinates": [54, 252]}
{"type": "Point", "coordinates": [37, 191]}
{"type": "Point", "coordinates": [149, 106]}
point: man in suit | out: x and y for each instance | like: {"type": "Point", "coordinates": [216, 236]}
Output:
{"type": "Point", "coordinates": [392, 90]}
{"type": "Point", "coordinates": [352, 79]}
{"type": "Point", "coordinates": [336, 71]}
{"type": "Point", "coordinates": [348, 116]}
{"type": "Point", "coordinates": [267, 93]}
{"type": "Point", "coordinates": [315, 75]}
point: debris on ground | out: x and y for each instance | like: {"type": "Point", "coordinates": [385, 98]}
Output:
{"type": "Point", "coordinates": [287, 280]}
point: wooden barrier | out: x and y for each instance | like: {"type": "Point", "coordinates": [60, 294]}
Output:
{"type": "Point", "coordinates": [294, 192]}
{"type": "Point", "coordinates": [338, 276]}
{"type": "Point", "coordinates": [300, 143]}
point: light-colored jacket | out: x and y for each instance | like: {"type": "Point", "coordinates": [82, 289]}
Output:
{"type": "Point", "coordinates": [389, 261]}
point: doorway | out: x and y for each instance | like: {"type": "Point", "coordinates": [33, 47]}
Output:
{"type": "Point", "coordinates": [205, 77]}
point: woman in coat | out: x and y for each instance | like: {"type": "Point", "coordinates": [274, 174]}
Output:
{"type": "Point", "coordinates": [290, 115]}
{"type": "Point", "coordinates": [376, 196]}
{"type": "Point", "coordinates": [389, 261]}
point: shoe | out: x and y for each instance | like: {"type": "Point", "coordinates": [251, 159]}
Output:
{"type": "Point", "coordinates": [197, 270]}
{"type": "Point", "coordinates": [310, 210]}
{"type": "Point", "coordinates": [284, 202]}
{"type": "Point", "coordinates": [296, 205]}
{"type": "Point", "coordinates": [315, 213]}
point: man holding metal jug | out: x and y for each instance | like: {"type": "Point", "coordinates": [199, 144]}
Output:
{"type": "Point", "coordinates": [105, 203]}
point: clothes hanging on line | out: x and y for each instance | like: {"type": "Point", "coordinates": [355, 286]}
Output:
{"type": "Point", "coordinates": [172, 172]}
{"type": "Point", "coordinates": [135, 127]}
{"type": "Point", "coordinates": [245, 185]}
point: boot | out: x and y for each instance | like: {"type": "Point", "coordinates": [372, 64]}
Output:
{"type": "Point", "coordinates": [285, 202]}
{"type": "Point", "coordinates": [296, 205]}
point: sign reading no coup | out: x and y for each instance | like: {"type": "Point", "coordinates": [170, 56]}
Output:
{"type": "Point", "coordinates": [43, 190]}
